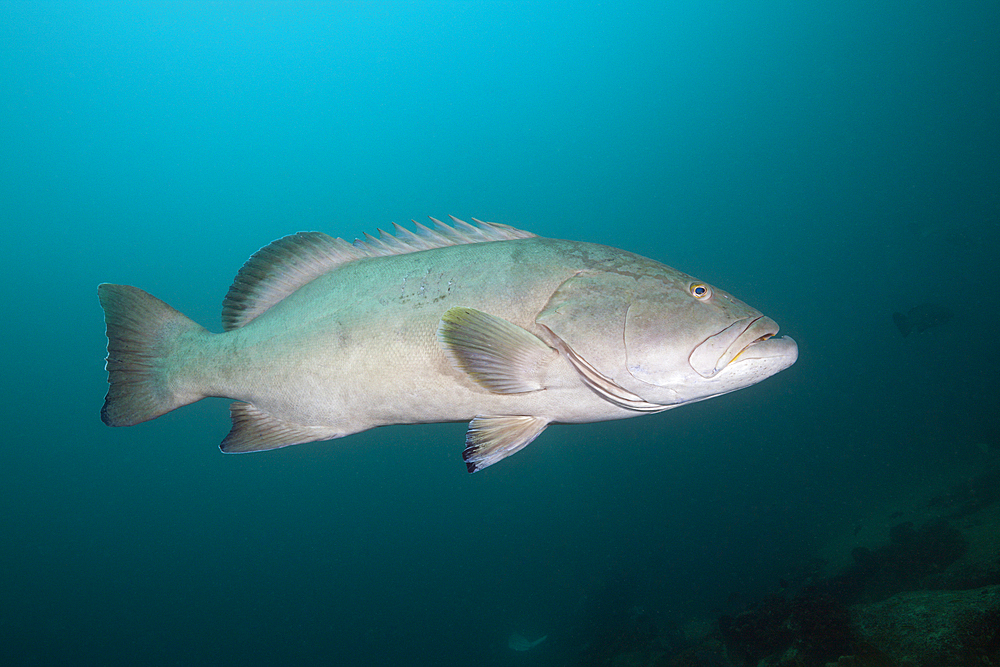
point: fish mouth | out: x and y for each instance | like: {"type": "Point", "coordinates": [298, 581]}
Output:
{"type": "Point", "coordinates": [748, 338]}
{"type": "Point", "coordinates": [770, 348]}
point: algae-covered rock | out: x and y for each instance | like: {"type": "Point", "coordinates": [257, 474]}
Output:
{"type": "Point", "coordinates": [933, 628]}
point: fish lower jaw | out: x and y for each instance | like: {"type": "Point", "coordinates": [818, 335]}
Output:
{"type": "Point", "coordinates": [766, 347]}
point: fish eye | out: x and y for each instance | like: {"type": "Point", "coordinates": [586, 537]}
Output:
{"type": "Point", "coordinates": [701, 291]}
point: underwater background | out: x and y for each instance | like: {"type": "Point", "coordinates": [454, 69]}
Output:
{"type": "Point", "coordinates": [829, 163]}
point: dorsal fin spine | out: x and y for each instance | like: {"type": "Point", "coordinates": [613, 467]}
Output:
{"type": "Point", "coordinates": [429, 234]}
{"type": "Point", "coordinates": [406, 236]}
{"type": "Point", "coordinates": [462, 224]}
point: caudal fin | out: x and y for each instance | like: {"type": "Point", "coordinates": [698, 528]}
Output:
{"type": "Point", "coordinates": [143, 333]}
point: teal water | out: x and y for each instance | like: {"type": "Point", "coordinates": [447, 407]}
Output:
{"type": "Point", "coordinates": [828, 163]}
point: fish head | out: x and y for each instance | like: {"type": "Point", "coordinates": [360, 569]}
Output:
{"type": "Point", "coordinates": [662, 336]}
{"type": "Point", "coordinates": [694, 341]}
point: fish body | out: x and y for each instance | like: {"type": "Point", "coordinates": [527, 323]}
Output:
{"type": "Point", "coordinates": [920, 318]}
{"type": "Point", "coordinates": [517, 642]}
{"type": "Point", "coordinates": [481, 323]}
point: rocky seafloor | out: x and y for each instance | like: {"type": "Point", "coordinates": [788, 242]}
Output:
{"type": "Point", "coordinates": [920, 588]}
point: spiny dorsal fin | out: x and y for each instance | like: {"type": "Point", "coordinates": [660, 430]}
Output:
{"type": "Point", "coordinates": [278, 269]}
{"type": "Point", "coordinates": [440, 236]}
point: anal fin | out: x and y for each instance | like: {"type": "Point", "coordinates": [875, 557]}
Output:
{"type": "Point", "coordinates": [255, 431]}
{"type": "Point", "coordinates": [490, 439]}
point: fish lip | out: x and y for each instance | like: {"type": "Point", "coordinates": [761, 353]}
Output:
{"type": "Point", "coordinates": [770, 347]}
{"type": "Point", "coordinates": [758, 332]}
{"type": "Point", "coordinates": [722, 348]}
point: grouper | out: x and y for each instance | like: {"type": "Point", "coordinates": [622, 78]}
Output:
{"type": "Point", "coordinates": [479, 322]}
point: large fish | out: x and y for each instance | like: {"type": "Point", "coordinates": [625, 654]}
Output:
{"type": "Point", "coordinates": [486, 323]}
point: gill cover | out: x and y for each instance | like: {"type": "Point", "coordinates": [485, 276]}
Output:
{"type": "Point", "coordinates": [653, 349]}
{"type": "Point", "coordinates": [586, 316]}
{"type": "Point", "coordinates": [587, 312]}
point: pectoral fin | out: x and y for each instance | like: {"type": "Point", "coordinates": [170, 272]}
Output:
{"type": "Point", "coordinates": [490, 439]}
{"type": "Point", "coordinates": [498, 355]}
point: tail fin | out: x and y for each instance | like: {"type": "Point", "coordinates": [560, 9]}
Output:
{"type": "Point", "coordinates": [142, 332]}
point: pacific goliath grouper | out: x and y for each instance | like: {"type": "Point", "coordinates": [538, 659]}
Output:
{"type": "Point", "coordinates": [486, 323]}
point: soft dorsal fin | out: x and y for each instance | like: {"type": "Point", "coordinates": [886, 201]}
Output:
{"type": "Point", "coordinates": [278, 269]}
